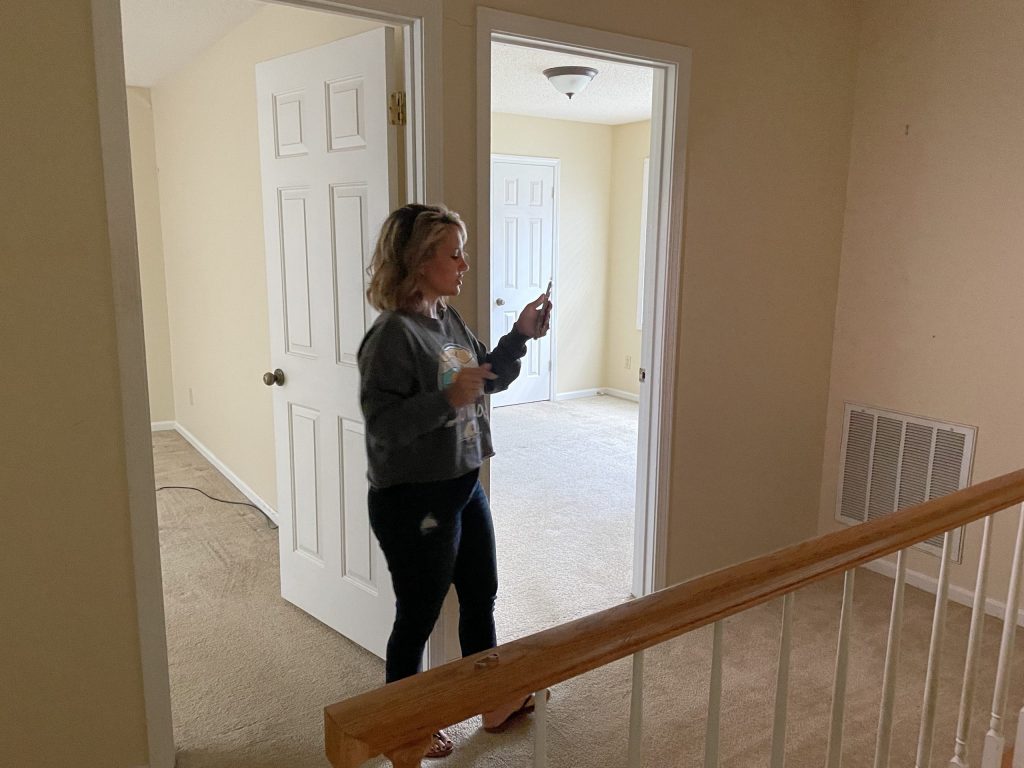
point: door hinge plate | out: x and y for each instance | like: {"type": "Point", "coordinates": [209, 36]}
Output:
{"type": "Point", "coordinates": [396, 108]}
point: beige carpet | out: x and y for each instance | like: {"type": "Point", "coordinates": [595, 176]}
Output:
{"type": "Point", "coordinates": [250, 673]}
{"type": "Point", "coordinates": [562, 496]}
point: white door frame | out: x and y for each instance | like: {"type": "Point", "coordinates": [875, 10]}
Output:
{"type": "Point", "coordinates": [556, 164]}
{"type": "Point", "coordinates": [663, 270]}
{"type": "Point", "coordinates": [421, 21]}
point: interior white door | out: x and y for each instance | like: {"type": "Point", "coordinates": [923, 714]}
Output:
{"type": "Point", "coordinates": [328, 159]}
{"type": "Point", "coordinates": [522, 255]}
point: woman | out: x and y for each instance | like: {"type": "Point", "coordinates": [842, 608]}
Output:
{"type": "Point", "coordinates": [423, 377]}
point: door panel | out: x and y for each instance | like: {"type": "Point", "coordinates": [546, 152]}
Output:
{"type": "Point", "coordinates": [327, 162]}
{"type": "Point", "coordinates": [305, 506]}
{"type": "Point", "coordinates": [295, 258]}
{"type": "Point", "coordinates": [357, 538]}
{"type": "Point", "coordinates": [351, 246]}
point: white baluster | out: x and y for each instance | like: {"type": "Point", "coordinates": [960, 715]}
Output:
{"type": "Point", "coordinates": [782, 685]}
{"type": "Point", "coordinates": [995, 742]}
{"type": "Point", "coordinates": [963, 723]}
{"type": "Point", "coordinates": [931, 680]}
{"type": "Point", "coordinates": [1018, 752]}
{"type": "Point", "coordinates": [714, 700]}
{"type": "Point", "coordinates": [892, 658]}
{"type": "Point", "coordinates": [540, 729]}
{"type": "Point", "coordinates": [636, 712]}
{"type": "Point", "coordinates": [835, 736]}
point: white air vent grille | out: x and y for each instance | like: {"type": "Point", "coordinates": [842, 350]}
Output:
{"type": "Point", "coordinates": [890, 461]}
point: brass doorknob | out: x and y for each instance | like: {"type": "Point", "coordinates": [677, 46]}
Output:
{"type": "Point", "coordinates": [277, 377]}
{"type": "Point", "coordinates": [500, 302]}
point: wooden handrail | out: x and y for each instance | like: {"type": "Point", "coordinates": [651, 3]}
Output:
{"type": "Point", "coordinates": [400, 716]}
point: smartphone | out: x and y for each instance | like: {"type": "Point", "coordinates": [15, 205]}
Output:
{"type": "Point", "coordinates": [546, 309]}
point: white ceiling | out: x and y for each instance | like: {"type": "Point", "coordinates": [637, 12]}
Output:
{"type": "Point", "coordinates": [620, 93]}
{"type": "Point", "coordinates": [162, 36]}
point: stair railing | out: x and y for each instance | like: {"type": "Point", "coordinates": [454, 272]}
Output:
{"type": "Point", "coordinates": [398, 720]}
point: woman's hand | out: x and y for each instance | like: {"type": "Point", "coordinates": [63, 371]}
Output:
{"type": "Point", "coordinates": [535, 319]}
{"type": "Point", "coordinates": [468, 385]}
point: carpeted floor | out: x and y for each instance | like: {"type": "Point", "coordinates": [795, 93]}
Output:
{"type": "Point", "coordinates": [562, 496]}
{"type": "Point", "coordinates": [250, 673]}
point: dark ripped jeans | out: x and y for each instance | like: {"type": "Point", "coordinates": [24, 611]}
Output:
{"type": "Point", "coordinates": [435, 535]}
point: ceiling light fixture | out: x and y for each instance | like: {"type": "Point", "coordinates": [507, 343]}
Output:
{"type": "Point", "coordinates": [570, 80]}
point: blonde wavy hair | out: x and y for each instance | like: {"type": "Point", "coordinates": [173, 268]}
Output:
{"type": "Point", "coordinates": [407, 240]}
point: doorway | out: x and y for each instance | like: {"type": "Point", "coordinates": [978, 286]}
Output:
{"type": "Point", "coordinates": [419, 23]}
{"type": "Point", "coordinates": [644, 304]}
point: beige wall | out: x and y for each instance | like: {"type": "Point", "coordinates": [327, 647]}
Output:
{"type": "Point", "coordinates": [69, 649]}
{"type": "Point", "coordinates": [631, 143]}
{"type": "Point", "coordinates": [151, 255]}
{"type": "Point", "coordinates": [768, 145]}
{"type": "Point", "coordinates": [929, 300]}
{"type": "Point", "coordinates": [769, 131]}
{"type": "Point", "coordinates": [208, 155]}
{"type": "Point", "coordinates": [584, 151]}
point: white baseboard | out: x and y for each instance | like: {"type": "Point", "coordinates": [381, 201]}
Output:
{"type": "Point", "coordinates": [619, 393]}
{"type": "Point", "coordinates": [930, 584]}
{"type": "Point", "coordinates": [223, 468]}
{"type": "Point", "coordinates": [164, 426]}
{"type": "Point", "coordinates": [577, 394]}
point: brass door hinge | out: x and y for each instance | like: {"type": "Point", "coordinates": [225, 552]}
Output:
{"type": "Point", "coordinates": [396, 108]}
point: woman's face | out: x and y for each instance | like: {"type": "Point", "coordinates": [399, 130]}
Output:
{"type": "Point", "coordinates": [441, 275]}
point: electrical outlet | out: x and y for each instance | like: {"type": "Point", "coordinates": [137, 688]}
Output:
{"type": "Point", "coordinates": [191, 397]}
{"type": "Point", "coordinates": [629, 362]}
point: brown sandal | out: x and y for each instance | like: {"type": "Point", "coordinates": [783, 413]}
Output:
{"type": "Point", "coordinates": [528, 705]}
{"type": "Point", "coordinates": [441, 746]}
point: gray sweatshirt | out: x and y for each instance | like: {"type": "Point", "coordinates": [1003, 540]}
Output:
{"type": "Point", "coordinates": [406, 361]}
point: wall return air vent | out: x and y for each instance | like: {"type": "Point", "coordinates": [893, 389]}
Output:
{"type": "Point", "coordinates": [890, 461]}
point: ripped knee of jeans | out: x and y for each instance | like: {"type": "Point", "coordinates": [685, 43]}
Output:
{"type": "Point", "coordinates": [428, 524]}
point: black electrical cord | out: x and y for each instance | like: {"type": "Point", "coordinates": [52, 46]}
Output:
{"type": "Point", "coordinates": [270, 523]}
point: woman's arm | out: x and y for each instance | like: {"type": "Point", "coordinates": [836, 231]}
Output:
{"type": "Point", "coordinates": [393, 420]}
{"type": "Point", "coordinates": [395, 408]}
{"type": "Point", "coordinates": [504, 359]}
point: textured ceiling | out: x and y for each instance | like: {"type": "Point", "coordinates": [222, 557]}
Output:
{"type": "Point", "coordinates": [620, 93]}
{"type": "Point", "coordinates": [161, 36]}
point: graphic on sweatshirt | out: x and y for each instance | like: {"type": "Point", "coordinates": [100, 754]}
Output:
{"type": "Point", "coordinates": [453, 359]}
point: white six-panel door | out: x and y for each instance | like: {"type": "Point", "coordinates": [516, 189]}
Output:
{"type": "Point", "coordinates": [327, 160]}
{"type": "Point", "coordinates": [522, 248]}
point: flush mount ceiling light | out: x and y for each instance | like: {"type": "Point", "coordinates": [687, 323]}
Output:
{"type": "Point", "coordinates": [570, 80]}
